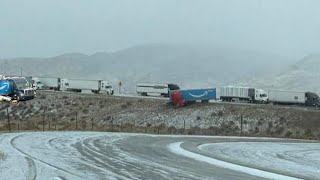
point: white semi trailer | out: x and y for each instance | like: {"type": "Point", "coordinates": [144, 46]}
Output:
{"type": "Point", "coordinates": [155, 89]}
{"type": "Point", "coordinates": [238, 93]}
{"type": "Point", "coordinates": [293, 97]}
{"type": "Point", "coordinates": [79, 85]}
{"type": "Point", "coordinates": [46, 83]}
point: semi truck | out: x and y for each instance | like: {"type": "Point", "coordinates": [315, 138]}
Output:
{"type": "Point", "coordinates": [184, 97]}
{"type": "Point", "coordinates": [247, 94]}
{"type": "Point", "coordinates": [293, 97]}
{"type": "Point", "coordinates": [79, 85]}
{"type": "Point", "coordinates": [46, 83]}
{"type": "Point", "coordinates": [15, 89]}
{"type": "Point", "coordinates": [25, 90]}
{"type": "Point", "coordinates": [156, 89]}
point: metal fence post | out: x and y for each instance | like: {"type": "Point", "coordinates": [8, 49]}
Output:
{"type": "Point", "coordinates": [184, 126]}
{"type": "Point", "coordinates": [76, 120]}
{"type": "Point", "coordinates": [241, 119]}
{"type": "Point", "coordinates": [111, 123]}
{"type": "Point", "coordinates": [9, 126]}
{"type": "Point", "coordinates": [92, 122]}
{"type": "Point", "coordinates": [44, 117]}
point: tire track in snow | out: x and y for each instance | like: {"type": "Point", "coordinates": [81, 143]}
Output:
{"type": "Point", "coordinates": [32, 170]}
{"type": "Point", "coordinates": [37, 159]}
{"type": "Point", "coordinates": [98, 163]}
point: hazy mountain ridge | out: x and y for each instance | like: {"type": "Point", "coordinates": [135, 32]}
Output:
{"type": "Point", "coordinates": [189, 66]}
{"type": "Point", "coordinates": [301, 76]}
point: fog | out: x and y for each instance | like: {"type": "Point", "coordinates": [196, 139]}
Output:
{"type": "Point", "coordinates": [40, 28]}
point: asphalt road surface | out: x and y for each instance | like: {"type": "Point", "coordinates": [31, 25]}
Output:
{"type": "Point", "coordinates": [94, 155]}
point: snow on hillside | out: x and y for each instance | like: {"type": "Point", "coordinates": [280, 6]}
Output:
{"type": "Point", "coordinates": [302, 76]}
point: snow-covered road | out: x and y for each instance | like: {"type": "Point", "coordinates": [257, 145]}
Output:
{"type": "Point", "coordinates": [93, 155]}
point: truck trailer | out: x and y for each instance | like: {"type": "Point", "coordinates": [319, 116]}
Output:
{"type": "Point", "coordinates": [156, 89]}
{"type": "Point", "coordinates": [293, 97]}
{"type": "Point", "coordinates": [238, 93]}
{"type": "Point", "coordinates": [46, 83]}
{"type": "Point", "coordinates": [184, 97]}
{"type": "Point", "coordinates": [8, 90]}
{"type": "Point", "coordinates": [79, 85]}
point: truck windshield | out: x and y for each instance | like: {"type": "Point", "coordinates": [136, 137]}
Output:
{"type": "Point", "coordinates": [21, 83]}
{"type": "Point", "coordinates": [108, 87]}
{"type": "Point", "coordinates": [173, 87]}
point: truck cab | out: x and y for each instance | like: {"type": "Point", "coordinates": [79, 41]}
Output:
{"type": "Point", "coordinates": [36, 83]}
{"type": "Point", "coordinates": [312, 99]}
{"type": "Point", "coordinates": [25, 91]}
{"type": "Point", "coordinates": [106, 87]}
{"type": "Point", "coordinates": [261, 96]}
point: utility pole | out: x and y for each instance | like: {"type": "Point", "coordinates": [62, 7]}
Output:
{"type": "Point", "coordinates": [120, 84]}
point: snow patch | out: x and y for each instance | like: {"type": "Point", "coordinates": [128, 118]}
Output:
{"type": "Point", "coordinates": [176, 148]}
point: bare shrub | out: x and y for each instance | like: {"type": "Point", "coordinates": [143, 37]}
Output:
{"type": "Point", "coordinates": [124, 106]}
{"type": "Point", "coordinates": [288, 134]}
{"type": "Point", "coordinates": [308, 133]}
{"type": "Point", "coordinates": [279, 130]}
{"type": "Point", "coordinates": [257, 130]}
{"type": "Point", "coordinates": [65, 97]}
{"type": "Point", "coordinates": [85, 111]}
{"type": "Point", "coordinates": [42, 96]}
{"type": "Point", "coordinates": [3, 156]}
{"type": "Point", "coordinates": [67, 103]}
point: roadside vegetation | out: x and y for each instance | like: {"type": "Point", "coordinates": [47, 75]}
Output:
{"type": "Point", "coordinates": [79, 112]}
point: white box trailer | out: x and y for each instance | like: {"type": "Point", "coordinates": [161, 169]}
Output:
{"type": "Point", "coordinates": [290, 97]}
{"type": "Point", "coordinates": [155, 89]}
{"type": "Point", "coordinates": [238, 93]}
{"type": "Point", "coordinates": [46, 83]}
{"type": "Point", "coordinates": [293, 97]}
{"type": "Point", "coordinates": [79, 85]}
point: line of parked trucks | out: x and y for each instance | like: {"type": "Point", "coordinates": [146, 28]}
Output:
{"type": "Point", "coordinates": [74, 85]}
{"type": "Point", "coordinates": [180, 97]}
{"type": "Point", "coordinates": [24, 88]}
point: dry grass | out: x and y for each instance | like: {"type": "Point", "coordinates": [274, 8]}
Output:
{"type": "Point", "coordinates": [146, 115]}
{"type": "Point", "coordinates": [3, 156]}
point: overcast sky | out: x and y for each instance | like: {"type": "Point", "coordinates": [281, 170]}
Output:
{"type": "Point", "coordinates": [41, 28]}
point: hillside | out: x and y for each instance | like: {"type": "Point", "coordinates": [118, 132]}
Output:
{"type": "Point", "coordinates": [87, 112]}
{"type": "Point", "coordinates": [190, 66]}
{"type": "Point", "coordinates": [302, 76]}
